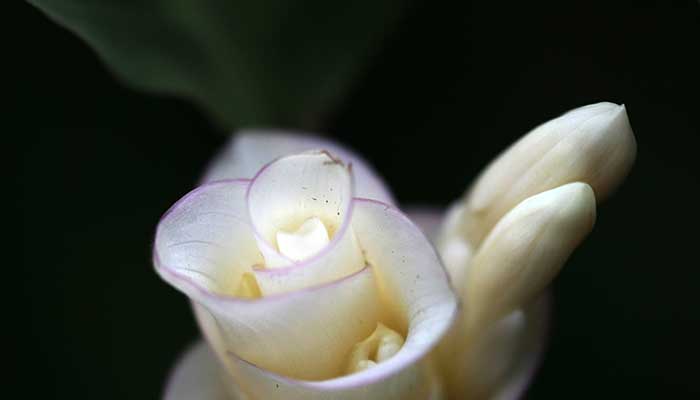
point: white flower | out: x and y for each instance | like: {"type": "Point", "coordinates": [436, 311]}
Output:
{"type": "Point", "coordinates": [309, 285]}
{"type": "Point", "coordinates": [303, 288]}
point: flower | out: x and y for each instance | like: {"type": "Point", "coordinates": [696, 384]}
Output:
{"type": "Point", "coordinates": [308, 283]}
{"type": "Point", "coordinates": [303, 288]}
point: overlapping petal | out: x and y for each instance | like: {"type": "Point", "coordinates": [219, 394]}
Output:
{"type": "Point", "coordinates": [592, 144]}
{"type": "Point", "coordinates": [515, 228]}
{"type": "Point", "coordinates": [526, 249]}
{"type": "Point", "coordinates": [507, 273]}
{"type": "Point", "coordinates": [204, 245]}
{"type": "Point", "coordinates": [378, 268]}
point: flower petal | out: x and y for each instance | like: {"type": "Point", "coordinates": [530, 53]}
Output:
{"type": "Point", "coordinates": [288, 192]}
{"type": "Point", "coordinates": [525, 251]}
{"type": "Point", "coordinates": [250, 149]}
{"type": "Point", "coordinates": [198, 375]}
{"type": "Point", "coordinates": [279, 333]}
{"type": "Point", "coordinates": [205, 238]}
{"type": "Point", "coordinates": [409, 272]}
{"type": "Point", "coordinates": [592, 144]}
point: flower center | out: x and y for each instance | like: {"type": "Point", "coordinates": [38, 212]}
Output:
{"type": "Point", "coordinates": [307, 240]}
{"type": "Point", "coordinates": [381, 345]}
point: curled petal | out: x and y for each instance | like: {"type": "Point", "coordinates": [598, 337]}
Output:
{"type": "Point", "coordinates": [198, 375]}
{"type": "Point", "coordinates": [525, 251]}
{"type": "Point", "coordinates": [206, 238]}
{"type": "Point", "coordinates": [285, 194]}
{"type": "Point", "coordinates": [204, 247]}
{"type": "Point", "coordinates": [279, 333]}
{"type": "Point", "coordinates": [592, 144]}
{"type": "Point", "coordinates": [250, 149]}
{"type": "Point", "coordinates": [411, 277]}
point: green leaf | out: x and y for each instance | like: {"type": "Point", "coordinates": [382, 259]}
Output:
{"type": "Point", "coordinates": [264, 62]}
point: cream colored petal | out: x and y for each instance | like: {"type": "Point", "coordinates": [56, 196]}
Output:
{"type": "Point", "coordinates": [251, 149]}
{"type": "Point", "coordinates": [198, 375]}
{"type": "Point", "coordinates": [592, 144]}
{"type": "Point", "coordinates": [412, 280]}
{"type": "Point", "coordinates": [525, 251]}
{"type": "Point", "coordinates": [285, 195]}
{"type": "Point", "coordinates": [303, 335]}
{"type": "Point", "coordinates": [206, 238]}
{"type": "Point", "coordinates": [343, 258]}
{"type": "Point", "coordinates": [204, 247]}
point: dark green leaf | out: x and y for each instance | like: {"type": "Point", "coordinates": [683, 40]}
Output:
{"type": "Point", "coordinates": [247, 62]}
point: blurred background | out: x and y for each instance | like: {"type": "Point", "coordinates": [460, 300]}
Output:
{"type": "Point", "coordinates": [429, 92]}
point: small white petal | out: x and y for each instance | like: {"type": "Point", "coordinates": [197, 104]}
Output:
{"type": "Point", "coordinates": [381, 345]}
{"type": "Point", "coordinates": [317, 270]}
{"type": "Point", "coordinates": [307, 240]}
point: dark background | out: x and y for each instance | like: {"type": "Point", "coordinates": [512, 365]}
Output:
{"type": "Point", "coordinates": [452, 87]}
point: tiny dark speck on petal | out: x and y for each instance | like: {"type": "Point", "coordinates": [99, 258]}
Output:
{"type": "Point", "coordinates": [338, 212]}
{"type": "Point", "coordinates": [277, 385]}
{"type": "Point", "coordinates": [304, 188]}
{"type": "Point", "coordinates": [326, 201]}
{"type": "Point", "coordinates": [314, 199]}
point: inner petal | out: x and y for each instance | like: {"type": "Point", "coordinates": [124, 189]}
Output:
{"type": "Point", "coordinates": [381, 345]}
{"type": "Point", "coordinates": [287, 193]}
{"type": "Point", "coordinates": [307, 240]}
